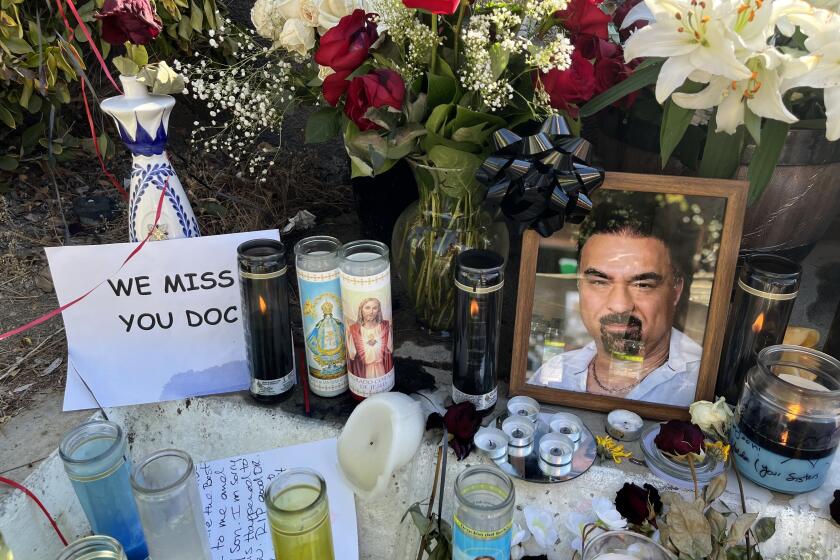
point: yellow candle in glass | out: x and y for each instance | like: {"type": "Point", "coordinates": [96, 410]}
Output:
{"type": "Point", "coordinates": [299, 516]}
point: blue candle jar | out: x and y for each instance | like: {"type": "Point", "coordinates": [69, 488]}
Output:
{"type": "Point", "coordinates": [787, 423]}
{"type": "Point", "coordinates": [96, 461]}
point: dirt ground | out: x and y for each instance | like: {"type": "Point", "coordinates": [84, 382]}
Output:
{"type": "Point", "coordinates": [81, 207]}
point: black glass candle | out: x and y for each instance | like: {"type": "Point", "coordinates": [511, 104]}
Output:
{"type": "Point", "coordinates": [265, 315]}
{"type": "Point", "coordinates": [766, 290]}
{"type": "Point", "coordinates": [479, 278]}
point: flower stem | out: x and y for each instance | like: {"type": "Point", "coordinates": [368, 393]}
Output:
{"type": "Point", "coordinates": [433, 65]}
{"type": "Point", "coordinates": [743, 506]}
{"type": "Point", "coordinates": [457, 46]}
{"type": "Point", "coordinates": [693, 476]}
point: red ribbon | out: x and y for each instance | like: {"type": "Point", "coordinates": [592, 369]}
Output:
{"type": "Point", "coordinates": [86, 33]}
{"type": "Point", "coordinates": [131, 255]}
{"type": "Point", "coordinates": [34, 498]}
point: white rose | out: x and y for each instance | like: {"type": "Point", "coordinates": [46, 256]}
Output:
{"type": "Point", "coordinates": [712, 418]}
{"type": "Point", "coordinates": [267, 19]}
{"type": "Point", "coordinates": [330, 12]}
{"type": "Point", "coordinates": [288, 9]}
{"type": "Point", "coordinates": [324, 72]}
{"type": "Point", "coordinates": [297, 37]}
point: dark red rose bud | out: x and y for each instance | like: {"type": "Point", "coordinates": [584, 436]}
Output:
{"type": "Point", "coordinates": [134, 21]}
{"type": "Point", "coordinates": [380, 88]}
{"type": "Point", "coordinates": [462, 422]}
{"type": "Point", "coordinates": [346, 46]}
{"type": "Point", "coordinates": [679, 438]}
{"type": "Point", "coordinates": [834, 508]}
{"type": "Point", "coordinates": [638, 504]}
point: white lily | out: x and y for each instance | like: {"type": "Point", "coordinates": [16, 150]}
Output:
{"type": "Point", "coordinates": [694, 36]}
{"type": "Point", "coordinates": [760, 92]}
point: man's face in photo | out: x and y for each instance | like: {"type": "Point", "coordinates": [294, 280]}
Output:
{"type": "Point", "coordinates": [628, 292]}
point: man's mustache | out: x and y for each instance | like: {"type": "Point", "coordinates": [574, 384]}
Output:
{"type": "Point", "coordinates": [622, 320]}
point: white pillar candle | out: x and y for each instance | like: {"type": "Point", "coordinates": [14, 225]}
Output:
{"type": "Point", "coordinates": [382, 434]}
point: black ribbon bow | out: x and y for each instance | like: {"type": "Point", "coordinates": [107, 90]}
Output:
{"type": "Point", "coordinates": [541, 181]}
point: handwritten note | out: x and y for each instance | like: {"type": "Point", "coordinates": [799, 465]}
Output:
{"type": "Point", "coordinates": [232, 493]}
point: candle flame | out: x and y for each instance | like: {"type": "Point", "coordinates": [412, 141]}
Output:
{"type": "Point", "coordinates": [263, 306]}
{"type": "Point", "coordinates": [784, 437]}
{"type": "Point", "coordinates": [759, 323]}
{"type": "Point", "coordinates": [473, 309]}
{"type": "Point", "coordinates": [794, 411]}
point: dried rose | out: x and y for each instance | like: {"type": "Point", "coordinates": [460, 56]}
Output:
{"type": "Point", "coordinates": [834, 508]}
{"type": "Point", "coordinates": [462, 422]}
{"type": "Point", "coordinates": [679, 438]}
{"type": "Point", "coordinates": [638, 504]}
{"type": "Point", "coordinates": [134, 21]}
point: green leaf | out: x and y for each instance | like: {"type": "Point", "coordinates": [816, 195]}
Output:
{"type": "Point", "coordinates": [442, 90]}
{"type": "Point", "coordinates": [185, 30]}
{"type": "Point", "coordinates": [26, 93]}
{"type": "Point", "coordinates": [8, 163]}
{"type": "Point", "coordinates": [722, 153]}
{"type": "Point", "coordinates": [766, 156]}
{"type": "Point", "coordinates": [210, 14]}
{"type": "Point", "coordinates": [196, 17]}
{"type": "Point", "coordinates": [465, 118]}
{"type": "Point", "coordinates": [764, 529]}
{"type": "Point", "coordinates": [30, 136]}
{"type": "Point", "coordinates": [416, 110]}
{"type": "Point", "coordinates": [437, 120]}
{"type": "Point", "coordinates": [138, 54]}
{"type": "Point", "coordinates": [499, 58]}
{"type": "Point", "coordinates": [126, 66]}
{"type": "Point", "coordinates": [460, 179]}
{"type": "Point", "coordinates": [753, 124]}
{"type": "Point", "coordinates": [644, 75]}
{"type": "Point", "coordinates": [675, 121]}
{"type": "Point", "coordinates": [475, 134]}
{"type": "Point", "coordinates": [322, 125]}
{"type": "Point", "coordinates": [7, 118]}
{"type": "Point", "coordinates": [17, 45]}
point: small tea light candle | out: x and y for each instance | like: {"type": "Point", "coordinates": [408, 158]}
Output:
{"type": "Point", "coordinates": [624, 425]}
{"type": "Point", "coordinates": [492, 443]}
{"type": "Point", "coordinates": [566, 424]}
{"type": "Point", "coordinates": [520, 433]}
{"type": "Point", "coordinates": [556, 451]}
{"type": "Point", "coordinates": [525, 407]}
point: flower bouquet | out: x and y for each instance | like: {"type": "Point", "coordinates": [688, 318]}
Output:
{"type": "Point", "coordinates": [430, 81]}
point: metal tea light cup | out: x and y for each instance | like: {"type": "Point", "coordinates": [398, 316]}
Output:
{"type": "Point", "coordinates": [556, 453]}
{"type": "Point", "coordinates": [524, 407]}
{"type": "Point", "coordinates": [492, 443]}
{"type": "Point", "coordinates": [95, 457]}
{"type": "Point", "coordinates": [97, 547]}
{"type": "Point", "coordinates": [299, 516]}
{"type": "Point", "coordinates": [567, 425]}
{"type": "Point", "coordinates": [520, 433]}
{"type": "Point", "coordinates": [170, 506]}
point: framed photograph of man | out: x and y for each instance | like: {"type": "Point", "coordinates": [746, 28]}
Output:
{"type": "Point", "coordinates": [628, 309]}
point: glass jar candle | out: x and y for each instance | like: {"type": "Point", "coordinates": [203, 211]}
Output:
{"type": "Point", "coordinates": [96, 460]}
{"type": "Point", "coordinates": [365, 274]}
{"type": "Point", "coordinates": [5, 552]}
{"type": "Point", "coordinates": [787, 422]}
{"type": "Point", "coordinates": [479, 279]}
{"type": "Point", "coordinates": [764, 296]}
{"type": "Point", "coordinates": [299, 516]}
{"type": "Point", "coordinates": [484, 500]}
{"type": "Point", "coordinates": [624, 545]}
{"type": "Point", "coordinates": [265, 316]}
{"type": "Point", "coordinates": [170, 507]}
{"type": "Point", "coordinates": [97, 547]}
{"type": "Point", "coordinates": [316, 263]}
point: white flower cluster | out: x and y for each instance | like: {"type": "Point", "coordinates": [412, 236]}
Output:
{"type": "Point", "coordinates": [541, 9]}
{"type": "Point", "coordinates": [400, 23]}
{"type": "Point", "coordinates": [553, 53]}
{"type": "Point", "coordinates": [291, 24]}
{"type": "Point", "coordinates": [245, 99]}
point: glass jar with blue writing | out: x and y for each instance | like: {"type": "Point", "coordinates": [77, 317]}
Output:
{"type": "Point", "coordinates": [96, 461]}
{"type": "Point", "coordinates": [316, 263]}
{"type": "Point", "coordinates": [484, 514]}
{"type": "Point", "coordinates": [787, 423]}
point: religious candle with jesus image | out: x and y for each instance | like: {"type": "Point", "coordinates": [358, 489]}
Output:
{"type": "Point", "coordinates": [366, 304]}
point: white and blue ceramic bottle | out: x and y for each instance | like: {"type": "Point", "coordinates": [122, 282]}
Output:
{"type": "Point", "coordinates": [143, 122]}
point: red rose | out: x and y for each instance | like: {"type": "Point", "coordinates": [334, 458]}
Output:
{"type": "Point", "coordinates": [134, 21]}
{"type": "Point", "coordinates": [583, 17]}
{"type": "Point", "coordinates": [380, 88]}
{"type": "Point", "coordinates": [638, 504]}
{"type": "Point", "coordinates": [346, 46]}
{"type": "Point", "coordinates": [462, 422]}
{"type": "Point", "coordinates": [446, 7]}
{"type": "Point", "coordinates": [568, 87]}
{"type": "Point", "coordinates": [611, 69]}
{"type": "Point", "coordinates": [621, 13]}
{"type": "Point", "coordinates": [334, 87]}
{"type": "Point", "coordinates": [679, 438]}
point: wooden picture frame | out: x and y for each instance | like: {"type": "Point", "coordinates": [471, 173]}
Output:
{"type": "Point", "coordinates": [734, 194]}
